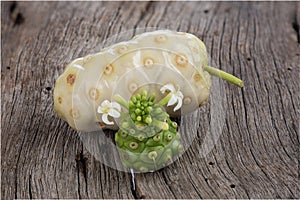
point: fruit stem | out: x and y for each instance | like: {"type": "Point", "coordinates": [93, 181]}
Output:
{"type": "Point", "coordinates": [224, 75]}
{"type": "Point", "coordinates": [165, 100]}
{"type": "Point", "coordinates": [121, 101]}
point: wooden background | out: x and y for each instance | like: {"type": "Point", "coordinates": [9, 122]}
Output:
{"type": "Point", "coordinates": [257, 154]}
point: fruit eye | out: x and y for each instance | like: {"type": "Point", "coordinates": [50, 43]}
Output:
{"type": "Point", "coordinates": [148, 62]}
{"type": "Point", "coordinates": [71, 79]}
{"type": "Point", "coordinates": [108, 69]}
{"type": "Point", "coordinates": [133, 145]}
{"type": "Point", "coordinates": [181, 60]}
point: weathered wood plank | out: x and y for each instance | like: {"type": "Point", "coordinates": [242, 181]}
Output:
{"type": "Point", "coordinates": [257, 153]}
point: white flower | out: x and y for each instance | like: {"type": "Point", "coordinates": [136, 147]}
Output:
{"type": "Point", "coordinates": [108, 108]}
{"type": "Point", "coordinates": [176, 96]}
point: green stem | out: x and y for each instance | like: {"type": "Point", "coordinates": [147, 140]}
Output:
{"type": "Point", "coordinates": [165, 100]}
{"type": "Point", "coordinates": [121, 101]}
{"type": "Point", "coordinates": [224, 75]}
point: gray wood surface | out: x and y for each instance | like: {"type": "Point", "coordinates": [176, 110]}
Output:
{"type": "Point", "coordinates": [256, 156]}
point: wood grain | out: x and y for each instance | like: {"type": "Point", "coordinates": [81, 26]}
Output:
{"type": "Point", "coordinates": [257, 154]}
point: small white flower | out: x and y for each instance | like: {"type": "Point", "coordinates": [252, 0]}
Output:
{"type": "Point", "coordinates": [108, 108]}
{"type": "Point", "coordinates": [176, 96]}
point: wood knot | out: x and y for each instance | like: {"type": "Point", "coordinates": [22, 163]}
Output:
{"type": "Point", "coordinates": [16, 16]}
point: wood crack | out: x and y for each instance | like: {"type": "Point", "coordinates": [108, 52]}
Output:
{"type": "Point", "coordinates": [78, 182]}
{"type": "Point", "coordinates": [114, 19]}
{"type": "Point", "coordinates": [29, 187]}
{"type": "Point", "coordinates": [168, 185]}
{"type": "Point", "coordinates": [164, 12]}
{"type": "Point", "coordinates": [295, 25]}
{"type": "Point", "coordinates": [144, 12]}
{"type": "Point", "coordinates": [135, 189]}
{"type": "Point", "coordinates": [82, 165]}
{"type": "Point", "coordinates": [142, 15]}
{"type": "Point", "coordinates": [15, 85]}
{"type": "Point", "coordinates": [56, 187]}
{"type": "Point", "coordinates": [196, 190]}
{"type": "Point", "coordinates": [133, 186]}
